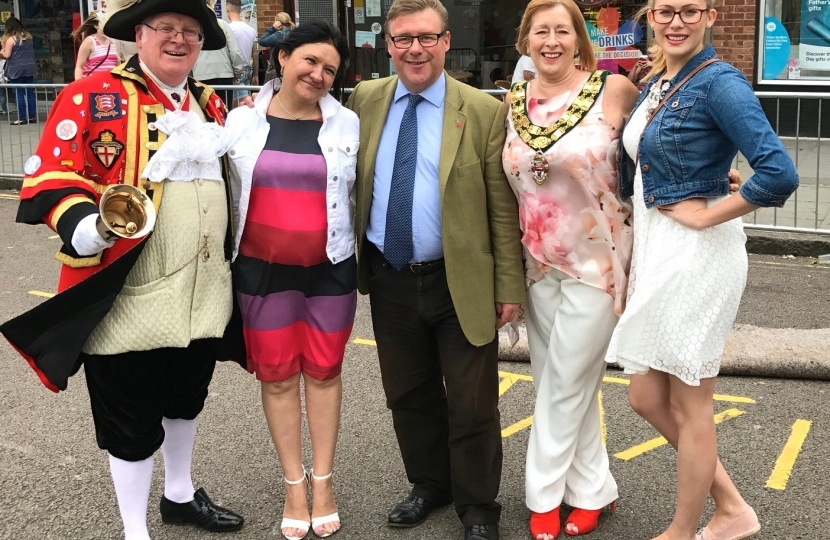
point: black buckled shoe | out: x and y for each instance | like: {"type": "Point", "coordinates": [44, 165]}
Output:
{"type": "Point", "coordinates": [411, 512]}
{"type": "Point", "coordinates": [482, 532]}
{"type": "Point", "coordinates": [200, 512]}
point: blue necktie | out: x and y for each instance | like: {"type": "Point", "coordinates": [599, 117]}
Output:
{"type": "Point", "coordinates": [397, 244]}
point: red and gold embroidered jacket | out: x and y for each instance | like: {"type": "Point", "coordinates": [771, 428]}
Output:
{"type": "Point", "coordinates": [100, 131]}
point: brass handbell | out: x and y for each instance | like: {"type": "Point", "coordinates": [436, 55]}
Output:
{"type": "Point", "coordinates": [125, 212]}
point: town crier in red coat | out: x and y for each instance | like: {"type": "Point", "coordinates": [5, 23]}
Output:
{"type": "Point", "coordinates": [144, 316]}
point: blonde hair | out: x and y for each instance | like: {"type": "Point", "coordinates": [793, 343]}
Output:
{"type": "Point", "coordinates": [584, 48]}
{"type": "Point", "coordinates": [408, 7]}
{"type": "Point", "coordinates": [656, 57]}
{"type": "Point", "coordinates": [285, 19]}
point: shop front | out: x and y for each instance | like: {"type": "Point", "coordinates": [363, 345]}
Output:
{"type": "Point", "coordinates": [51, 23]}
{"type": "Point", "coordinates": [483, 37]}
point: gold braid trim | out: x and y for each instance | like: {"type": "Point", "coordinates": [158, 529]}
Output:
{"type": "Point", "coordinates": [540, 138]}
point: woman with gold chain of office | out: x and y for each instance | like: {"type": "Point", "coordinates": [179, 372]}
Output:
{"type": "Point", "coordinates": [560, 158]}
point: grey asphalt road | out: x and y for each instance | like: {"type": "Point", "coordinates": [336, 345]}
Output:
{"type": "Point", "coordinates": [54, 482]}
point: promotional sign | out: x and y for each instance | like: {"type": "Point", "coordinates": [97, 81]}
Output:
{"type": "Point", "coordinates": [96, 5]}
{"type": "Point", "coordinates": [248, 13]}
{"type": "Point", "coordinates": [615, 44]}
{"type": "Point", "coordinates": [814, 38]}
{"type": "Point", "coordinates": [776, 48]}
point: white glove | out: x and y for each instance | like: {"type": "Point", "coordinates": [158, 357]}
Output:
{"type": "Point", "coordinates": [86, 241]}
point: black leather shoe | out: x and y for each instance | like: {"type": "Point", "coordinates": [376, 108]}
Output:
{"type": "Point", "coordinates": [411, 512]}
{"type": "Point", "coordinates": [481, 532]}
{"type": "Point", "coordinates": [200, 512]}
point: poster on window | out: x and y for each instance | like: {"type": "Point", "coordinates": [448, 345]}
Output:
{"type": "Point", "coordinates": [96, 5]}
{"type": "Point", "coordinates": [615, 40]}
{"type": "Point", "coordinates": [814, 39]}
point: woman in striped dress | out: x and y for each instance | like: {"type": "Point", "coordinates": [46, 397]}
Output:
{"type": "Point", "coordinates": [97, 52]}
{"type": "Point", "coordinates": [293, 166]}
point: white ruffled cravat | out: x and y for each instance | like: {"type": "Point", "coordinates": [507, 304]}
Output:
{"type": "Point", "coordinates": [191, 151]}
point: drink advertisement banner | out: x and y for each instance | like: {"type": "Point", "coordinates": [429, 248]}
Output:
{"type": "Point", "coordinates": [814, 40]}
{"type": "Point", "coordinates": [615, 41]}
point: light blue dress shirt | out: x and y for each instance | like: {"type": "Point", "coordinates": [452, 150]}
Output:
{"type": "Point", "coordinates": [426, 201]}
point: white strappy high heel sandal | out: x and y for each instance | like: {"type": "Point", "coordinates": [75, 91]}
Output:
{"type": "Point", "coordinates": [299, 524]}
{"type": "Point", "coordinates": [324, 520]}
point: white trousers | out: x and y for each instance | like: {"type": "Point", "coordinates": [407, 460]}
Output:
{"type": "Point", "coordinates": [569, 325]}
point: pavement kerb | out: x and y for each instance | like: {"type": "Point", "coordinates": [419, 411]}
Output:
{"type": "Point", "coordinates": [750, 351]}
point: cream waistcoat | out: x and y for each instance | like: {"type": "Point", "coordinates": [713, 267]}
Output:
{"type": "Point", "coordinates": [180, 287]}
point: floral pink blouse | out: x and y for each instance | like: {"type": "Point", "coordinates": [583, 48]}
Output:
{"type": "Point", "coordinates": [575, 221]}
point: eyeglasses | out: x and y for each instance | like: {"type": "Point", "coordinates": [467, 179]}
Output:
{"type": "Point", "coordinates": [426, 40]}
{"type": "Point", "coordinates": [169, 33]}
{"type": "Point", "coordinates": [688, 16]}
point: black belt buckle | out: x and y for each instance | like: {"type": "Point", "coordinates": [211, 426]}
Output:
{"type": "Point", "coordinates": [425, 267]}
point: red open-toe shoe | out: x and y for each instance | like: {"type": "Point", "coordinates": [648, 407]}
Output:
{"type": "Point", "coordinates": [584, 521]}
{"type": "Point", "coordinates": [545, 523]}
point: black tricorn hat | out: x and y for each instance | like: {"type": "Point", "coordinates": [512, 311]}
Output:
{"type": "Point", "coordinates": [123, 16]}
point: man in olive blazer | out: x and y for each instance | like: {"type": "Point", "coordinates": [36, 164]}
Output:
{"type": "Point", "coordinates": [435, 317]}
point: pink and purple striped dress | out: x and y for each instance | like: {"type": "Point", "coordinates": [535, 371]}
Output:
{"type": "Point", "coordinates": [297, 307]}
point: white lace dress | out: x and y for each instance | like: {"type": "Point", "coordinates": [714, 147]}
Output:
{"type": "Point", "coordinates": [683, 291]}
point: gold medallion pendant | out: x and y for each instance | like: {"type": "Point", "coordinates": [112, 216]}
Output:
{"type": "Point", "coordinates": [542, 139]}
{"type": "Point", "coordinates": [539, 167]}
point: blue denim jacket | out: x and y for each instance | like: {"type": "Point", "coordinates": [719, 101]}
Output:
{"type": "Point", "coordinates": [687, 149]}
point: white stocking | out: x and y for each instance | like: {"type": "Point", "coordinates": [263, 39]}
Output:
{"type": "Point", "coordinates": [132, 488]}
{"type": "Point", "coordinates": [179, 438]}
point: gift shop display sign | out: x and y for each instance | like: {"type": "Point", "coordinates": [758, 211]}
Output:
{"type": "Point", "coordinates": [814, 39]}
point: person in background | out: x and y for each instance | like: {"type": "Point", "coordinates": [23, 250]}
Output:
{"type": "Point", "coordinates": [222, 66]}
{"type": "Point", "coordinates": [245, 38]}
{"type": "Point", "coordinates": [293, 172]}
{"type": "Point", "coordinates": [525, 70]}
{"type": "Point", "coordinates": [639, 73]}
{"type": "Point", "coordinates": [689, 264]}
{"type": "Point", "coordinates": [96, 52]}
{"type": "Point", "coordinates": [561, 163]}
{"type": "Point", "coordinates": [274, 35]}
{"type": "Point", "coordinates": [17, 48]}
{"type": "Point", "coordinates": [4, 105]}
{"type": "Point", "coordinates": [440, 257]}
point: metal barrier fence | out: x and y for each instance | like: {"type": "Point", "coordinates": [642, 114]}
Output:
{"type": "Point", "coordinates": [808, 210]}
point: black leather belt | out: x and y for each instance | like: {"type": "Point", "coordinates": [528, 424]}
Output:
{"type": "Point", "coordinates": [426, 267]}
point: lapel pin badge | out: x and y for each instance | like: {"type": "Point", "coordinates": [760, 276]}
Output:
{"type": "Point", "coordinates": [457, 123]}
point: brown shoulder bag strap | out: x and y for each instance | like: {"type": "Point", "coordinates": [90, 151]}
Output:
{"type": "Point", "coordinates": [679, 86]}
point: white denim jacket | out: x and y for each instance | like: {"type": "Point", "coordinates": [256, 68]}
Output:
{"type": "Point", "coordinates": [338, 140]}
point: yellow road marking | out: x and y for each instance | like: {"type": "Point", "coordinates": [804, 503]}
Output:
{"type": "Point", "coordinates": [53, 237]}
{"type": "Point", "coordinates": [41, 293]}
{"type": "Point", "coordinates": [365, 342]}
{"type": "Point", "coordinates": [657, 442]}
{"type": "Point", "coordinates": [9, 197]}
{"type": "Point", "coordinates": [517, 427]}
{"type": "Point", "coordinates": [786, 461]}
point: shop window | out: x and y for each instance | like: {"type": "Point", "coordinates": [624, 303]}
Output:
{"type": "Point", "coordinates": [483, 37]}
{"type": "Point", "coordinates": [51, 26]}
{"type": "Point", "coordinates": [795, 42]}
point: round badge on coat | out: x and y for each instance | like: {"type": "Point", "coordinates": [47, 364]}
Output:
{"type": "Point", "coordinates": [66, 130]}
{"type": "Point", "coordinates": [32, 165]}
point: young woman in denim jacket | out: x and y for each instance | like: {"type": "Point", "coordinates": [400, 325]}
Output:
{"type": "Point", "coordinates": [689, 261]}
